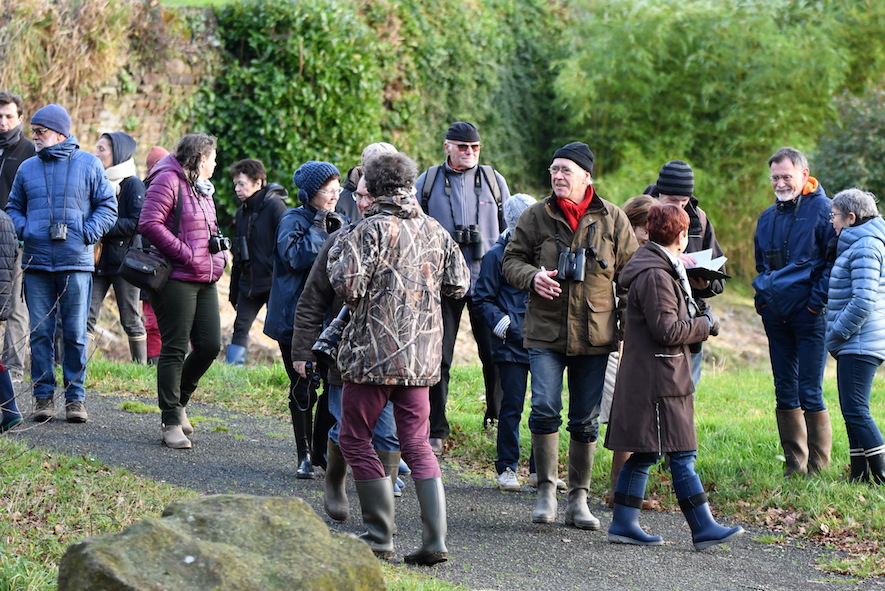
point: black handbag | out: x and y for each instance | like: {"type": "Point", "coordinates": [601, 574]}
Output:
{"type": "Point", "coordinates": [145, 267]}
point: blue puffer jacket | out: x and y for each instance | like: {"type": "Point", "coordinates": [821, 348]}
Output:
{"type": "Point", "coordinates": [298, 244]}
{"type": "Point", "coordinates": [800, 230]}
{"type": "Point", "coordinates": [495, 298]}
{"type": "Point", "coordinates": [61, 184]}
{"type": "Point", "coordinates": [856, 312]}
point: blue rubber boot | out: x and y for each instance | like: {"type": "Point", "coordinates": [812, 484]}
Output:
{"type": "Point", "coordinates": [629, 492]}
{"type": "Point", "coordinates": [11, 414]}
{"type": "Point", "coordinates": [235, 354]}
{"type": "Point", "coordinates": [705, 532]}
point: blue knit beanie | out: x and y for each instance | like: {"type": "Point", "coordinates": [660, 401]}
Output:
{"type": "Point", "coordinates": [312, 175]}
{"type": "Point", "coordinates": [55, 118]}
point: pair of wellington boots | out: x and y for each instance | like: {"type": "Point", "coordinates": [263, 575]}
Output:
{"type": "Point", "coordinates": [580, 465]}
{"type": "Point", "coordinates": [377, 504]}
{"type": "Point", "coordinates": [807, 440]}
{"type": "Point", "coordinates": [335, 494]}
{"type": "Point", "coordinates": [625, 528]}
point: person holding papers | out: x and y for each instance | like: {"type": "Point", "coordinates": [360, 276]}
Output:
{"type": "Point", "coordinates": [675, 186]}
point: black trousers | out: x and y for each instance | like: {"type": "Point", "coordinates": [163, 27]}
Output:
{"type": "Point", "coordinates": [482, 334]}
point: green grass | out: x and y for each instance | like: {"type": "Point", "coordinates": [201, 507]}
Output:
{"type": "Point", "coordinates": [51, 501]}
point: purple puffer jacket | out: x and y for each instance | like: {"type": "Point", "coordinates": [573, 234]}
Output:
{"type": "Point", "coordinates": [189, 250]}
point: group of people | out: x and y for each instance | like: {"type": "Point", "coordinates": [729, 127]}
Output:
{"type": "Point", "coordinates": [569, 286]}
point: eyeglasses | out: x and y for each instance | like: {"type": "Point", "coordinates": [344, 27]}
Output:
{"type": "Point", "coordinates": [357, 196]}
{"type": "Point", "coordinates": [778, 178]}
{"type": "Point", "coordinates": [464, 147]}
{"type": "Point", "coordinates": [565, 170]}
{"type": "Point", "coordinates": [833, 215]}
{"type": "Point", "coordinates": [331, 192]}
{"type": "Point", "coordinates": [40, 131]}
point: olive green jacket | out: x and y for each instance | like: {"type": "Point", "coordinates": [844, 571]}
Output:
{"type": "Point", "coordinates": [583, 320]}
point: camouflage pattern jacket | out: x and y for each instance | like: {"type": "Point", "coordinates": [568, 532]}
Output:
{"type": "Point", "coordinates": [390, 270]}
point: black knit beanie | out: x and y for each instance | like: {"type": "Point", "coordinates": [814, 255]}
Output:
{"type": "Point", "coordinates": [579, 153]}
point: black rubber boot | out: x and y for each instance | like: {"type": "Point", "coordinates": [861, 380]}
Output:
{"type": "Point", "coordinates": [335, 495]}
{"type": "Point", "coordinates": [877, 468]}
{"type": "Point", "coordinates": [860, 469]}
{"type": "Point", "coordinates": [301, 424]}
{"type": "Point", "coordinates": [376, 502]}
{"type": "Point", "coordinates": [432, 499]}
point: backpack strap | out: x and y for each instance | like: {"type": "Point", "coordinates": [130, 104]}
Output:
{"type": "Point", "coordinates": [427, 189]}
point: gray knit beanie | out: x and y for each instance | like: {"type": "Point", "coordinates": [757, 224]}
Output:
{"type": "Point", "coordinates": [514, 207]}
{"type": "Point", "coordinates": [676, 178]}
{"type": "Point", "coordinates": [312, 175]}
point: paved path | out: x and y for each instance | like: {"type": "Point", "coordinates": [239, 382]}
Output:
{"type": "Point", "coordinates": [492, 542]}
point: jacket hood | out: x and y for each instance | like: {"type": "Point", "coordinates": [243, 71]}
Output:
{"type": "Point", "coordinates": [166, 164]}
{"type": "Point", "coordinates": [875, 228]}
{"type": "Point", "coordinates": [394, 205]}
{"type": "Point", "coordinates": [59, 151]}
{"type": "Point", "coordinates": [648, 256]}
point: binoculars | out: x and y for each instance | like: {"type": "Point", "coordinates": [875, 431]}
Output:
{"type": "Point", "coordinates": [217, 243]}
{"type": "Point", "coordinates": [468, 235]}
{"type": "Point", "coordinates": [775, 259]}
{"type": "Point", "coordinates": [58, 231]}
{"type": "Point", "coordinates": [572, 265]}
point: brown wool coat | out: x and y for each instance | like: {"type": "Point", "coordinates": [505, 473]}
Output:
{"type": "Point", "coordinates": [653, 407]}
{"type": "Point", "coordinates": [390, 271]}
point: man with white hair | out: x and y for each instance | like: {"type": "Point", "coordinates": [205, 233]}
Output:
{"type": "Point", "coordinates": [347, 202]}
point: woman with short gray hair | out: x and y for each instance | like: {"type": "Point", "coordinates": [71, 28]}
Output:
{"type": "Point", "coordinates": [856, 324]}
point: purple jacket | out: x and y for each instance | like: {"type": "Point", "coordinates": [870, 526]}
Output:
{"type": "Point", "coordinates": [189, 250]}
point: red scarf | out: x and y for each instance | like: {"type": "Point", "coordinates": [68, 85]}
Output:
{"type": "Point", "coordinates": [575, 211]}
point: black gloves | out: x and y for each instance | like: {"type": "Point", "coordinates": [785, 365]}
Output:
{"type": "Point", "coordinates": [328, 221]}
{"type": "Point", "coordinates": [713, 320]}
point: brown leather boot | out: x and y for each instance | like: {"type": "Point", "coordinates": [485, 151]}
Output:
{"type": "Point", "coordinates": [794, 440]}
{"type": "Point", "coordinates": [174, 438]}
{"type": "Point", "coordinates": [820, 440]}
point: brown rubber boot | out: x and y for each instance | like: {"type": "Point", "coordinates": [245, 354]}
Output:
{"type": "Point", "coordinates": [580, 465]}
{"type": "Point", "coordinates": [794, 440]}
{"type": "Point", "coordinates": [820, 440]}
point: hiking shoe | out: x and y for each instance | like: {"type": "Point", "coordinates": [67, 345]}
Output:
{"type": "Point", "coordinates": [75, 411]}
{"type": "Point", "coordinates": [507, 480]}
{"type": "Point", "coordinates": [44, 409]}
{"type": "Point", "coordinates": [532, 482]}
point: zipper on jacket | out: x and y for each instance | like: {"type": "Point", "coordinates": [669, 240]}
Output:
{"type": "Point", "coordinates": [658, 426]}
{"type": "Point", "coordinates": [669, 356]}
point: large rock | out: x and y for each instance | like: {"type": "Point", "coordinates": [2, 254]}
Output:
{"type": "Point", "coordinates": [223, 543]}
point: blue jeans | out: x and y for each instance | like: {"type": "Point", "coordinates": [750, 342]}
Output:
{"type": "Point", "coordinates": [854, 374]}
{"type": "Point", "coordinates": [514, 377]}
{"type": "Point", "coordinates": [798, 357]}
{"type": "Point", "coordinates": [586, 378]}
{"type": "Point", "coordinates": [49, 294]}
{"type": "Point", "coordinates": [696, 363]}
{"type": "Point", "coordinates": [384, 434]}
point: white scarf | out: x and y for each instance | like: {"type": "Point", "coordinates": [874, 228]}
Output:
{"type": "Point", "coordinates": [117, 174]}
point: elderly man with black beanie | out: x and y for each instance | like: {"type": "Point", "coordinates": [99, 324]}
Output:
{"type": "Point", "coordinates": [675, 185]}
{"type": "Point", "coordinates": [467, 199]}
{"type": "Point", "coordinates": [566, 252]}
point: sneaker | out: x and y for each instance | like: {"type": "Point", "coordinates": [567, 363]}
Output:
{"type": "Point", "coordinates": [44, 409]}
{"type": "Point", "coordinates": [75, 411]}
{"type": "Point", "coordinates": [398, 488]}
{"type": "Point", "coordinates": [404, 469]}
{"type": "Point", "coordinates": [532, 482]}
{"type": "Point", "coordinates": [507, 480]}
